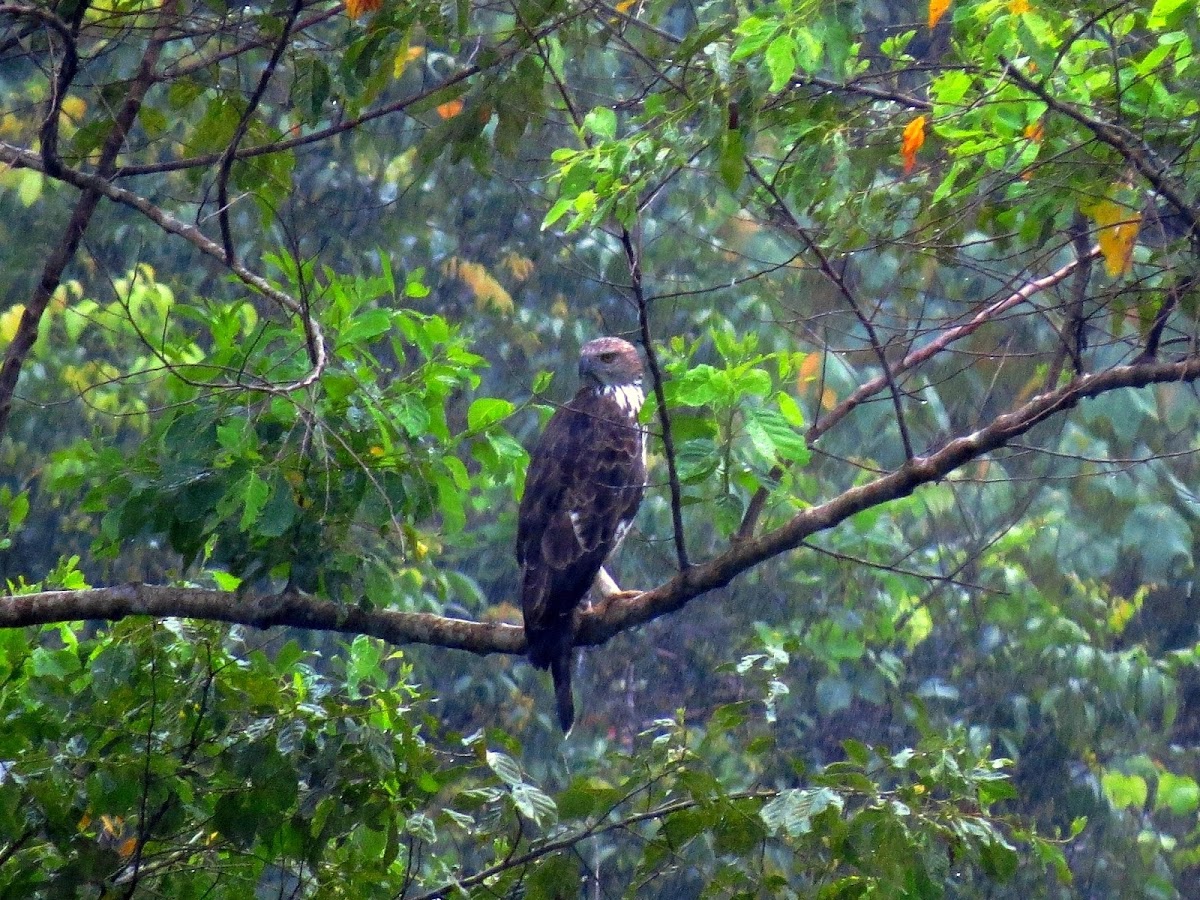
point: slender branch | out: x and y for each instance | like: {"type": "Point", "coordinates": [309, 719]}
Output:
{"type": "Point", "coordinates": [15, 846]}
{"type": "Point", "coordinates": [1132, 149]}
{"type": "Point", "coordinates": [64, 251]}
{"type": "Point", "coordinates": [100, 187]}
{"type": "Point", "coordinates": [793, 226]}
{"type": "Point", "coordinates": [567, 841]}
{"type": "Point", "coordinates": [1174, 294]}
{"type": "Point", "coordinates": [65, 74]}
{"type": "Point", "coordinates": [633, 260]}
{"type": "Point", "coordinates": [915, 358]}
{"type": "Point", "coordinates": [495, 60]}
{"type": "Point", "coordinates": [664, 419]}
{"type": "Point", "coordinates": [182, 70]}
{"type": "Point", "coordinates": [227, 156]}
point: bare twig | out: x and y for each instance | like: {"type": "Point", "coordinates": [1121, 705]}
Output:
{"type": "Point", "coordinates": [792, 226]}
{"type": "Point", "coordinates": [1132, 149]}
{"type": "Point", "coordinates": [988, 314]}
{"type": "Point", "coordinates": [63, 76]}
{"type": "Point", "coordinates": [230, 152]}
{"type": "Point", "coordinates": [1174, 294]}
{"type": "Point", "coordinates": [1072, 338]}
{"type": "Point", "coordinates": [664, 419]}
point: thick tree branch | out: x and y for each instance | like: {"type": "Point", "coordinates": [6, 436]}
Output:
{"type": "Point", "coordinates": [608, 619]}
{"type": "Point", "coordinates": [263, 611]}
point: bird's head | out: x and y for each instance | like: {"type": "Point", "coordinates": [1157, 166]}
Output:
{"type": "Point", "coordinates": [609, 362]}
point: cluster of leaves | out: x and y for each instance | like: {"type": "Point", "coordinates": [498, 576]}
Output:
{"type": "Point", "coordinates": [195, 761]}
{"type": "Point", "coordinates": [261, 484]}
{"type": "Point", "coordinates": [737, 425]}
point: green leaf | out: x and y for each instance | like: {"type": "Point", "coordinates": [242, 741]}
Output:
{"type": "Point", "coordinates": [754, 33]}
{"type": "Point", "coordinates": [698, 387]}
{"type": "Point", "coordinates": [1168, 13]}
{"type": "Point", "coordinates": [366, 327]}
{"type": "Point", "coordinates": [450, 503]}
{"type": "Point", "coordinates": [534, 804]}
{"type": "Point", "coordinates": [793, 810]}
{"type": "Point", "coordinates": [224, 580]}
{"type": "Point", "coordinates": [505, 767]}
{"type": "Point", "coordinates": [602, 122]}
{"type": "Point", "coordinates": [255, 493]}
{"type": "Point", "coordinates": [1178, 793]}
{"type": "Point", "coordinates": [731, 163]}
{"type": "Point", "coordinates": [781, 60]}
{"type": "Point", "coordinates": [1124, 790]}
{"type": "Point", "coordinates": [487, 411]}
{"type": "Point", "coordinates": [786, 441]}
{"type": "Point", "coordinates": [790, 410]}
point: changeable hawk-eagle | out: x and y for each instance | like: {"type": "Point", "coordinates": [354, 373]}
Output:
{"type": "Point", "coordinates": [586, 477]}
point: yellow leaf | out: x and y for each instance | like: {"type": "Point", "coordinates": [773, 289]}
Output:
{"type": "Point", "coordinates": [1017, 7]}
{"type": "Point", "coordinates": [1035, 131]}
{"type": "Point", "coordinates": [85, 821]}
{"type": "Point", "coordinates": [913, 139]}
{"type": "Point", "coordinates": [357, 8]}
{"type": "Point", "coordinates": [624, 5]}
{"type": "Point", "coordinates": [403, 58]}
{"type": "Point", "coordinates": [1118, 231]}
{"type": "Point", "coordinates": [9, 320]}
{"type": "Point", "coordinates": [937, 9]}
{"type": "Point", "coordinates": [73, 108]}
{"type": "Point", "coordinates": [488, 292]}
{"type": "Point", "coordinates": [521, 267]}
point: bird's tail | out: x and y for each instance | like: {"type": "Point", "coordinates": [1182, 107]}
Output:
{"type": "Point", "coordinates": [560, 671]}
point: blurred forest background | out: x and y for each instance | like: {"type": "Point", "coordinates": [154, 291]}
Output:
{"type": "Point", "coordinates": [288, 285]}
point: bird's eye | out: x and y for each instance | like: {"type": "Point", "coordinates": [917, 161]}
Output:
{"type": "Point", "coordinates": [608, 357]}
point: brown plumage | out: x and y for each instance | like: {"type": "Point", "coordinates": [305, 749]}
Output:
{"type": "Point", "coordinates": [586, 477]}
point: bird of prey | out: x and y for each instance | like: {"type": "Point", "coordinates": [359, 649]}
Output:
{"type": "Point", "coordinates": [587, 474]}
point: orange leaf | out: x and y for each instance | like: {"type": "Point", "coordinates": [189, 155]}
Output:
{"type": "Point", "coordinates": [1035, 131]}
{"type": "Point", "coordinates": [357, 8]}
{"type": "Point", "coordinates": [1117, 234]}
{"type": "Point", "coordinates": [127, 847]}
{"type": "Point", "coordinates": [914, 137]}
{"type": "Point", "coordinates": [937, 9]}
{"type": "Point", "coordinates": [450, 108]}
{"type": "Point", "coordinates": [810, 370]}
